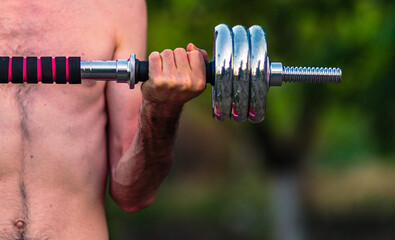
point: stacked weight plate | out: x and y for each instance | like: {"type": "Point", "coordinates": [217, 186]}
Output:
{"type": "Point", "coordinates": [241, 73]}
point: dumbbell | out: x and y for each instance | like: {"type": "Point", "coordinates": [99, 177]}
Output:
{"type": "Point", "coordinates": [240, 73]}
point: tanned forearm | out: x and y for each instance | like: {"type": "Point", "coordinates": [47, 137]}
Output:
{"type": "Point", "coordinates": [175, 77]}
{"type": "Point", "coordinates": [136, 177]}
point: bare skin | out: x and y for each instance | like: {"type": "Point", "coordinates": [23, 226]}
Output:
{"type": "Point", "coordinates": [54, 139]}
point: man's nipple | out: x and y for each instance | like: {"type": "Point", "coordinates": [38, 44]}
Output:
{"type": "Point", "coordinates": [20, 225]}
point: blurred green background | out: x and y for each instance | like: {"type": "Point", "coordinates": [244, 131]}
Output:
{"type": "Point", "coordinates": [336, 141]}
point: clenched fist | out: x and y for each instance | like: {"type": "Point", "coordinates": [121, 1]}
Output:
{"type": "Point", "coordinates": [175, 77]}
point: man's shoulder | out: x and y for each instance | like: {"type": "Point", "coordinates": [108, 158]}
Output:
{"type": "Point", "coordinates": [123, 5]}
{"type": "Point", "coordinates": [125, 12]}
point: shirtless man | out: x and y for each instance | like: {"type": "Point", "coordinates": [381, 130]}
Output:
{"type": "Point", "coordinates": [58, 142]}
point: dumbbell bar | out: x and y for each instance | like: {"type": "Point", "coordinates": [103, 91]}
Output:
{"type": "Point", "coordinates": [62, 70]}
{"type": "Point", "coordinates": [241, 72]}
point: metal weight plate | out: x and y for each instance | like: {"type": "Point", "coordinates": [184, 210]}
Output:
{"type": "Point", "coordinates": [223, 56]}
{"type": "Point", "coordinates": [241, 73]}
{"type": "Point", "coordinates": [259, 84]}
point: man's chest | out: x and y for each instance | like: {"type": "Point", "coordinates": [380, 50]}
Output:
{"type": "Point", "coordinates": [52, 28]}
{"type": "Point", "coordinates": [55, 28]}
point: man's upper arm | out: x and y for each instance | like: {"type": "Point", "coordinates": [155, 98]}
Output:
{"type": "Point", "coordinates": [123, 103]}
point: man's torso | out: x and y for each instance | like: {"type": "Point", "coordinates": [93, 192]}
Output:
{"type": "Point", "coordinates": [53, 159]}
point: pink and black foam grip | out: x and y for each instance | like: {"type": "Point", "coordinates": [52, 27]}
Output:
{"type": "Point", "coordinates": [48, 70]}
{"type": "Point", "coordinates": [4, 62]}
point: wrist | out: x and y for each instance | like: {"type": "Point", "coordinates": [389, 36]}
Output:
{"type": "Point", "coordinates": [159, 121]}
{"type": "Point", "coordinates": [160, 110]}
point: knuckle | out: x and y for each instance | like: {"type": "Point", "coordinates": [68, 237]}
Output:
{"type": "Point", "coordinates": [187, 84]}
{"type": "Point", "coordinates": [158, 78]}
{"type": "Point", "coordinates": [200, 85]}
{"type": "Point", "coordinates": [167, 52]}
{"type": "Point", "coordinates": [154, 56]}
{"type": "Point", "coordinates": [158, 83]}
{"type": "Point", "coordinates": [165, 82]}
{"type": "Point", "coordinates": [172, 83]}
{"type": "Point", "coordinates": [180, 51]}
{"type": "Point", "coordinates": [195, 53]}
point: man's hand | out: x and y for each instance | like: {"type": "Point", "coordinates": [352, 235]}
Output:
{"type": "Point", "coordinates": [175, 77]}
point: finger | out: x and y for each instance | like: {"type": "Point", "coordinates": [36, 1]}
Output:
{"type": "Point", "coordinates": [155, 64]}
{"type": "Point", "coordinates": [204, 54]}
{"type": "Point", "coordinates": [168, 63]}
{"type": "Point", "coordinates": [181, 58]}
{"type": "Point", "coordinates": [196, 61]}
{"type": "Point", "coordinates": [192, 47]}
